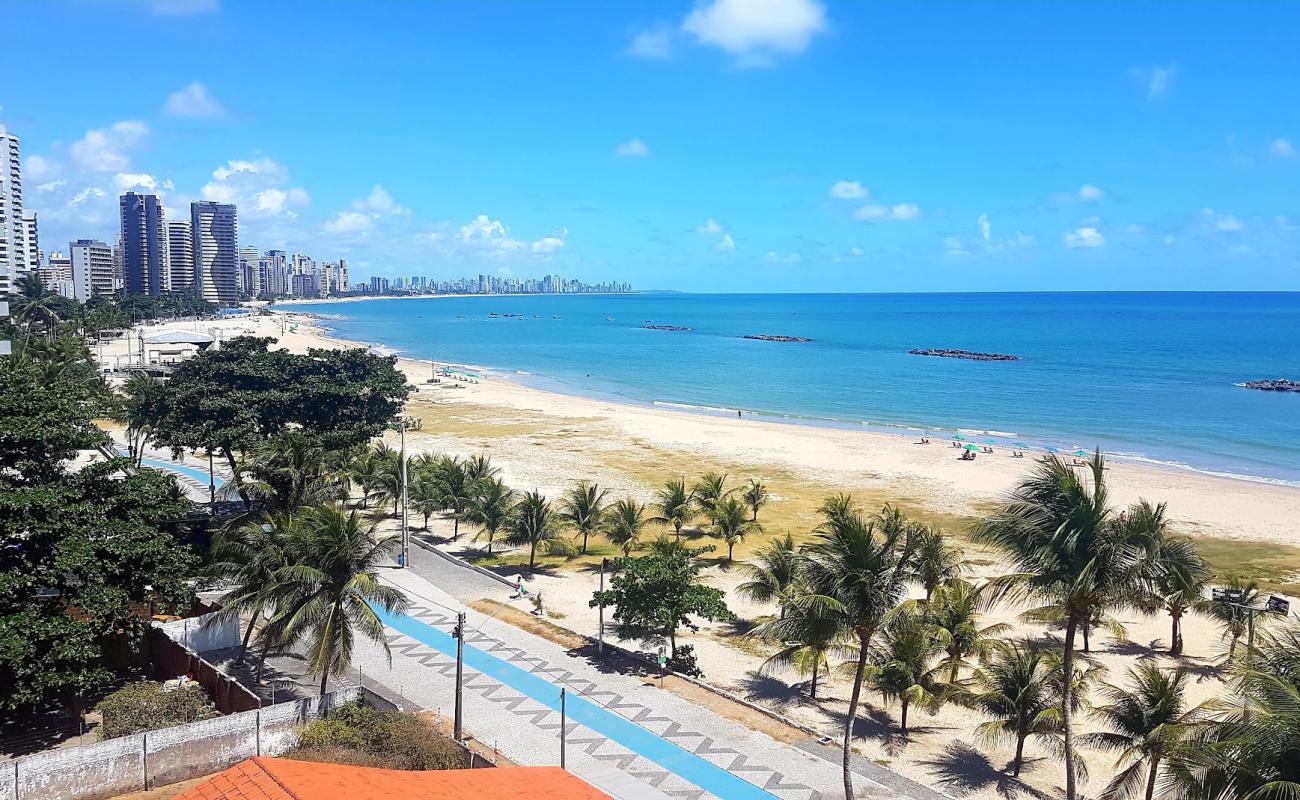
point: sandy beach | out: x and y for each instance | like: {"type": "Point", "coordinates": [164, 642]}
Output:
{"type": "Point", "coordinates": [547, 441]}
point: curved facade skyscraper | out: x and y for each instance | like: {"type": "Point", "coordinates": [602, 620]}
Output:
{"type": "Point", "coordinates": [216, 251]}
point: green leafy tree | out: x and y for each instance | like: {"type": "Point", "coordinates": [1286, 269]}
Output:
{"type": "Point", "coordinates": [904, 667]}
{"type": "Point", "coordinates": [860, 569]}
{"type": "Point", "coordinates": [1069, 552]}
{"type": "Point", "coordinates": [1175, 575]}
{"type": "Point", "coordinates": [657, 594]}
{"type": "Point", "coordinates": [709, 491]}
{"type": "Point", "coordinates": [493, 502]}
{"type": "Point", "coordinates": [1021, 690]}
{"type": "Point", "coordinates": [425, 495]}
{"type": "Point", "coordinates": [329, 590]}
{"type": "Point", "coordinates": [673, 505]}
{"type": "Point", "coordinates": [1144, 721]}
{"type": "Point", "coordinates": [624, 524]}
{"type": "Point", "coordinates": [953, 614]}
{"type": "Point", "coordinates": [730, 522]}
{"type": "Point", "coordinates": [247, 562]}
{"type": "Point", "coordinates": [583, 507]}
{"type": "Point", "coordinates": [937, 561]}
{"type": "Point", "coordinates": [808, 633]}
{"type": "Point", "coordinates": [146, 706]}
{"type": "Point", "coordinates": [457, 490]}
{"type": "Point", "coordinates": [135, 401]}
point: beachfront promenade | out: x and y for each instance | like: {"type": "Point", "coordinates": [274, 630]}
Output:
{"type": "Point", "coordinates": [625, 734]}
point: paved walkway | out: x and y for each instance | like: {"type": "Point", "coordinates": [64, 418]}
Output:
{"type": "Point", "coordinates": [667, 745]}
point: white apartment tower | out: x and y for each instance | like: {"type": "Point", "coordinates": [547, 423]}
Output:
{"type": "Point", "coordinates": [180, 255]}
{"type": "Point", "coordinates": [92, 269]}
{"type": "Point", "coordinates": [17, 232]}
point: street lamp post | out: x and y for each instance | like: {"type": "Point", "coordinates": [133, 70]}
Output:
{"type": "Point", "coordinates": [459, 633]}
{"type": "Point", "coordinates": [406, 530]}
{"type": "Point", "coordinates": [600, 636]}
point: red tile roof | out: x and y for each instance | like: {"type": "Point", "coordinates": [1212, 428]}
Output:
{"type": "Point", "coordinates": [284, 779]}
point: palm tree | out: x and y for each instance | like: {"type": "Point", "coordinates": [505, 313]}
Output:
{"type": "Point", "coordinates": [291, 471]}
{"type": "Point", "coordinates": [425, 495]}
{"type": "Point", "coordinates": [533, 523]}
{"type": "Point", "coordinates": [479, 467]}
{"type": "Point", "coordinates": [1020, 689]}
{"type": "Point", "coordinates": [624, 523]}
{"type": "Point", "coordinates": [673, 505]}
{"type": "Point", "coordinates": [903, 670]}
{"type": "Point", "coordinates": [709, 491]}
{"type": "Point", "coordinates": [773, 573]}
{"type": "Point", "coordinates": [331, 587]}
{"type": "Point", "coordinates": [1145, 721]}
{"type": "Point", "coordinates": [1234, 619]}
{"type": "Point", "coordinates": [367, 470]}
{"type": "Point", "coordinates": [456, 489]}
{"type": "Point", "coordinates": [1175, 573]}
{"type": "Point", "coordinates": [730, 522]}
{"type": "Point", "coordinates": [953, 615]}
{"type": "Point", "coordinates": [584, 508]}
{"type": "Point", "coordinates": [33, 304]}
{"type": "Point", "coordinates": [861, 573]}
{"type": "Point", "coordinates": [1068, 551]}
{"type": "Point", "coordinates": [808, 632]}
{"type": "Point", "coordinates": [493, 501]}
{"type": "Point", "coordinates": [246, 561]}
{"type": "Point", "coordinates": [755, 496]}
{"type": "Point", "coordinates": [137, 400]}
{"type": "Point", "coordinates": [937, 562]}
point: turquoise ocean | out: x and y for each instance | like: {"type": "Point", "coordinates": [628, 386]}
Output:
{"type": "Point", "coordinates": [1147, 376]}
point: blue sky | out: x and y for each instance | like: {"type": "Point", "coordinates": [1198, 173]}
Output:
{"type": "Point", "coordinates": [751, 145]}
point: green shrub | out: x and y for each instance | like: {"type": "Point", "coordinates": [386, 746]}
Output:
{"type": "Point", "coordinates": [144, 706]}
{"type": "Point", "coordinates": [362, 736]}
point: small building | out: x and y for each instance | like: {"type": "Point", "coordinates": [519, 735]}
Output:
{"type": "Point", "coordinates": [284, 779]}
{"type": "Point", "coordinates": [173, 347]}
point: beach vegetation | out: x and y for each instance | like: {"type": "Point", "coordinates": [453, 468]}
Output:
{"type": "Point", "coordinates": [730, 521]}
{"type": "Point", "coordinates": [491, 507]}
{"type": "Point", "coordinates": [773, 574]}
{"type": "Point", "coordinates": [673, 505]}
{"type": "Point", "coordinates": [1234, 620]}
{"type": "Point", "coordinates": [146, 706]}
{"type": "Point", "coordinates": [903, 664]}
{"type": "Point", "coordinates": [247, 561]}
{"type": "Point", "coordinates": [1144, 722]}
{"type": "Point", "coordinates": [657, 594]}
{"type": "Point", "coordinates": [583, 508]}
{"type": "Point", "coordinates": [953, 614]}
{"type": "Point", "coordinates": [534, 524]}
{"type": "Point", "coordinates": [808, 633]}
{"type": "Point", "coordinates": [938, 561]}
{"type": "Point", "coordinates": [755, 496]}
{"type": "Point", "coordinates": [625, 523]}
{"type": "Point", "coordinates": [1019, 689]}
{"type": "Point", "coordinates": [708, 491]}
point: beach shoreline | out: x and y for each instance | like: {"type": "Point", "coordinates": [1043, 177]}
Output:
{"type": "Point", "coordinates": [884, 463]}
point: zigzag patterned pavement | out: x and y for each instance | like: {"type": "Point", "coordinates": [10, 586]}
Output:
{"type": "Point", "coordinates": [526, 730]}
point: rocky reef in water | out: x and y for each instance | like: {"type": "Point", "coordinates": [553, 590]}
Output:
{"type": "Point", "coordinates": [665, 328]}
{"type": "Point", "coordinates": [1276, 385]}
{"type": "Point", "coordinates": [763, 337]}
{"type": "Point", "coordinates": [964, 354]}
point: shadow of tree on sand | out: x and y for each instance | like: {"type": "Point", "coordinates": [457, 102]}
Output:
{"type": "Point", "coordinates": [961, 769]}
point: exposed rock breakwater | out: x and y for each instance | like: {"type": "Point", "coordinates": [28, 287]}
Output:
{"type": "Point", "coordinates": [763, 337]}
{"type": "Point", "coordinates": [1277, 385]}
{"type": "Point", "coordinates": [964, 354]}
{"type": "Point", "coordinates": [665, 328]}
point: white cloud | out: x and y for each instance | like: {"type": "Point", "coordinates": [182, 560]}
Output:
{"type": "Point", "coordinates": [104, 149]}
{"type": "Point", "coordinates": [756, 30]}
{"type": "Point", "coordinates": [51, 186]}
{"type": "Point", "coordinates": [194, 101]}
{"type": "Point", "coordinates": [140, 180]}
{"type": "Point", "coordinates": [710, 226]}
{"type": "Point", "coordinates": [849, 190]}
{"type": "Point", "coordinates": [1283, 147]}
{"type": "Point", "coordinates": [85, 194]}
{"type": "Point", "coordinates": [1084, 238]}
{"type": "Point", "coordinates": [488, 234]}
{"type": "Point", "coordinates": [774, 257]}
{"type": "Point", "coordinates": [258, 188]}
{"type": "Point", "coordinates": [1089, 193]}
{"type": "Point", "coordinates": [1220, 223]}
{"type": "Point", "coordinates": [380, 202]}
{"type": "Point", "coordinates": [986, 229]}
{"type": "Point", "coordinates": [1156, 80]}
{"type": "Point", "coordinates": [547, 244]}
{"type": "Point", "coordinates": [39, 168]}
{"type": "Point", "coordinates": [634, 148]}
{"type": "Point", "coordinates": [654, 42]}
{"type": "Point", "coordinates": [900, 212]}
{"type": "Point", "coordinates": [349, 223]}
{"type": "Point", "coordinates": [728, 244]}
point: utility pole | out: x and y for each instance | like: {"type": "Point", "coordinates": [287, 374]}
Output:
{"type": "Point", "coordinates": [563, 720]}
{"type": "Point", "coordinates": [600, 636]}
{"type": "Point", "coordinates": [406, 530]}
{"type": "Point", "coordinates": [459, 633]}
{"type": "Point", "coordinates": [212, 485]}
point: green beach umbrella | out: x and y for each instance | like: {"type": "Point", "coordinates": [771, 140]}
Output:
{"type": "Point", "coordinates": [959, 438]}
{"type": "Point", "coordinates": [1082, 452]}
{"type": "Point", "coordinates": [989, 441]}
{"type": "Point", "coordinates": [971, 448]}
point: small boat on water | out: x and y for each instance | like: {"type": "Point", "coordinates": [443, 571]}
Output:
{"type": "Point", "coordinates": [609, 319]}
{"type": "Point", "coordinates": [493, 315]}
{"type": "Point", "coordinates": [537, 316]}
{"type": "Point", "coordinates": [555, 316]}
{"type": "Point", "coordinates": [460, 316]}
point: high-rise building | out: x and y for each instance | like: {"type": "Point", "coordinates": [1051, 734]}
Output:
{"type": "Point", "coordinates": [144, 244]}
{"type": "Point", "coordinates": [31, 242]}
{"type": "Point", "coordinates": [56, 274]}
{"type": "Point", "coordinates": [16, 256]}
{"type": "Point", "coordinates": [216, 251]}
{"type": "Point", "coordinates": [250, 284]}
{"type": "Point", "coordinates": [274, 273]}
{"type": "Point", "coordinates": [92, 268]}
{"type": "Point", "coordinates": [180, 254]}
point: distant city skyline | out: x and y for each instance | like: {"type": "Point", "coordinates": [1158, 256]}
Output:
{"type": "Point", "coordinates": [718, 145]}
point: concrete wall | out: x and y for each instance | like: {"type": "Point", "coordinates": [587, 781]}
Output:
{"type": "Point", "coordinates": [157, 758]}
{"type": "Point", "coordinates": [201, 634]}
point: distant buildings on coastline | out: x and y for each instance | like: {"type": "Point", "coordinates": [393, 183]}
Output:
{"type": "Point", "coordinates": [200, 252]}
{"type": "Point", "coordinates": [489, 284]}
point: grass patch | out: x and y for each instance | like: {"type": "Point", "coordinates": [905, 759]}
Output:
{"type": "Point", "coordinates": [1275, 566]}
{"type": "Point", "coordinates": [534, 625]}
